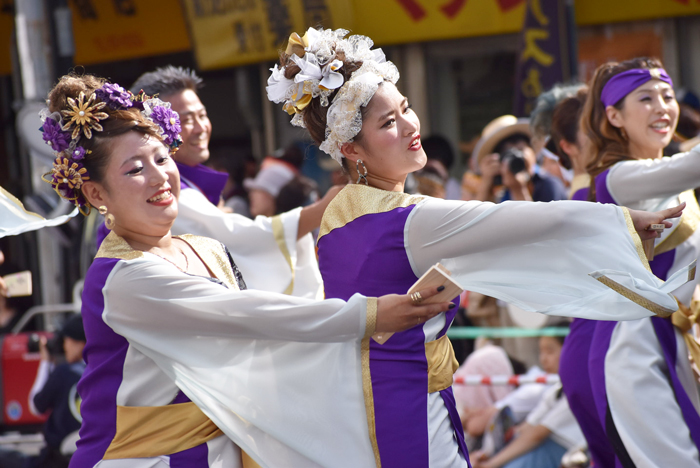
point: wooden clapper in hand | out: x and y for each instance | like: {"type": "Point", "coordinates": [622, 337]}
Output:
{"type": "Point", "coordinates": [436, 276]}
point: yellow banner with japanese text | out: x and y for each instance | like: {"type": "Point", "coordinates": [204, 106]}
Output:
{"type": "Point", "coordinates": [235, 32]}
{"type": "Point", "coordinates": [108, 31]}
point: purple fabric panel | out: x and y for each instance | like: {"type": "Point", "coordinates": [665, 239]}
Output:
{"type": "Point", "coordinates": [596, 365]}
{"type": "Point", "coordinates": [662, 264]}
{"type": "Point", "coordinates": [196, 457]}
{"type": "Point", "coordinates": [399, 371]}
{"type": "Point", "coordinates": [104, 354]}
{"type": "Point", "coordinates": [601, 188]}
{"type": "Point", "coordinates": [368, 256]}
{"type": "Point", "coordinates": [665, 332]}
{"type": "Point", "coordinates": [581, 194]}
{"type": "Point", "coordinates": [180, 398]}
{"type": "Point", "coordinates": [576, 381]}
{"type": "Point", "coordinates": [102, 232]}
{"type": "Point", "coordinates": [208, 181]}
{"type": "Point", "coordinates": [449, 398]}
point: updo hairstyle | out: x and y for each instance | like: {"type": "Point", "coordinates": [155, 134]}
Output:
{"type": "Point", "coordinates": [118, 123]}
{"type": "Point", "coordinates": [314, 114]}
{"type": "Point", "coordinates": [609, 144]}
{"type": "Point", "coordinates": [565, 120]}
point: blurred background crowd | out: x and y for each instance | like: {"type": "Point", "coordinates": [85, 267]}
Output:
{"type": "Point", "coordinates": [498, 86]}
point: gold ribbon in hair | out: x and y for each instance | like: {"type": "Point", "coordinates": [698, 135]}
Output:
{"type": "Point", "coordinates": [297, 44]}
{"type": "Point", "coordinates": [684, 319]}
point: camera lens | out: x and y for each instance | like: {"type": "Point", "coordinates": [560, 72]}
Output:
{"type": "Point", "coordinates": [33, 343]}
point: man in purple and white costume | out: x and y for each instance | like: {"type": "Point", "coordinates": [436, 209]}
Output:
{"type": "Point", "coordinates": [274, 254]}
{"type": "Point", "coordinates": [645, 391]}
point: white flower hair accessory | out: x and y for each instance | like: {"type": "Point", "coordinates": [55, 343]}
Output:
{"type": "Point", "coordinates": [316, 54]}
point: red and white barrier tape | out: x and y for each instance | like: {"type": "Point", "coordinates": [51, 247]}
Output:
{"type": "Point", "coordinates": [506, 379]}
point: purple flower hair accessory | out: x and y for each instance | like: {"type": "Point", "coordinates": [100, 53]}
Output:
{"type": "Point", "coordinates": [169, 121]}
{"type": "Point", "coordinates": [115, 96]}
{"type": "Point", "coordinates": [52, 134]}
{"type": "Point", "coordinates": [78, 153]}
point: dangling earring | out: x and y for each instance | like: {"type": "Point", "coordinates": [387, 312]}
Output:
{"type": "Point", "coordinates": [361, 176]}
{"type": "Point", "coordinates": [109, 218]}
{"type": "Point", "coordinates": [623, 133]}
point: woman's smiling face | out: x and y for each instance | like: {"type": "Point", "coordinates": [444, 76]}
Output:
{"type": "Point", "coordinates": [649, 116]}
{"type": "Point", "coordinates": [140, 187]}
{"type": "Point", "coordinates": [389, 143]}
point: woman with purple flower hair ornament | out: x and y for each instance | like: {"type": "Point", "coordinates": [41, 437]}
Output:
{"type": "Point", "coordinates": [559, 258]}
{"type": "Point", "coordinates": [185, 367]}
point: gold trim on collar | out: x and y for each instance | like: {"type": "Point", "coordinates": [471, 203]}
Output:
{"type": "Point", "coordinates": [152, 431]}
{"type": "Point", "coordinates": [359, 200]}
{"type": "Point", "coordinates": [116, 247]}
{"type": "Point", "coordinates": [212, 253]}
{"type": "Point", "coordinates": [687, 225]}
{"type": "Point", "coordinates": [637, 242]}
{"type": "Point", "coordinates": [278, 233]}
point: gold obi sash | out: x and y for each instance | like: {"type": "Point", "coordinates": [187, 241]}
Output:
{"type": "Point", "coordinates": [152, 431]}
{"type": "Point", "coordinates": [442, 364]}
{"type": "Point", "coordinates": [684, 319]}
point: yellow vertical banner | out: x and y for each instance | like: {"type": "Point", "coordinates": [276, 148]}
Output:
{"type": "Point", "coordinates": [108, 31]}
{"type": "Point", "coordinates": [237, 32]}
{"type": "Point", "coordinates": [6, 27]}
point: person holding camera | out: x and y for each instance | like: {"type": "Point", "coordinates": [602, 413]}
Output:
{"type": "Point", "coordinates": [54, 390]}
{"type": "Point", "coordinates": [506, 159]}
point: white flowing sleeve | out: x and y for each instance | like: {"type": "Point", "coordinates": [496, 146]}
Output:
{"type": "Point", "coordinates": [181, 305]}
{"type": "Point", "coordinates": [266, 250]}
{"type": "Point", "coordinates": [280, 375]}
{"type": "Point", "coordinates": [631, 181]}
{"type": "Point", "coordinates": [542, 257]}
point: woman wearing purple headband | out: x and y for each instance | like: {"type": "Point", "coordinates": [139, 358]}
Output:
{"type": "Point", "coordinates": [640, 391]}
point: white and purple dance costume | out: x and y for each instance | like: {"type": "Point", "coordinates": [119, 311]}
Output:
{"type": "Point", "coordinates": [645, 393]}
{"type": "Point", "coordinates": [187, 371]}
{"type": "Point", "coordinates": [537, 256]}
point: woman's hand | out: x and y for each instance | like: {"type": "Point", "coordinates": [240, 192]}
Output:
{"type": "Point", "coordinates": [396, 313]}
{"type": "Point", "coordinates": [644, 219]}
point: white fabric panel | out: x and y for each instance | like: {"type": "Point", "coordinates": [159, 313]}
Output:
{"type": "Point", "coordinates": [143, 383]}
{"type": "Point", "coordinates": [234, 354]}
{"type": "Point", "coordinates": [443, 451]}
{"type": "Point", "coordinates": [253, 246]}
{"type": "Point", "coordinates": [223, 453]}
{"type": "Point", "coordinates": [537, 256]}
{"type": "Point", "coordinates": [156, 462]}
{"type": "Point", "coordinates": [640, 398]}
{"type": "Point", "coordinates": [644, 179]}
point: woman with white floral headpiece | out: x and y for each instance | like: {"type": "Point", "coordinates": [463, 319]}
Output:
{"type": "Point", "coordinates": [376, 239]}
